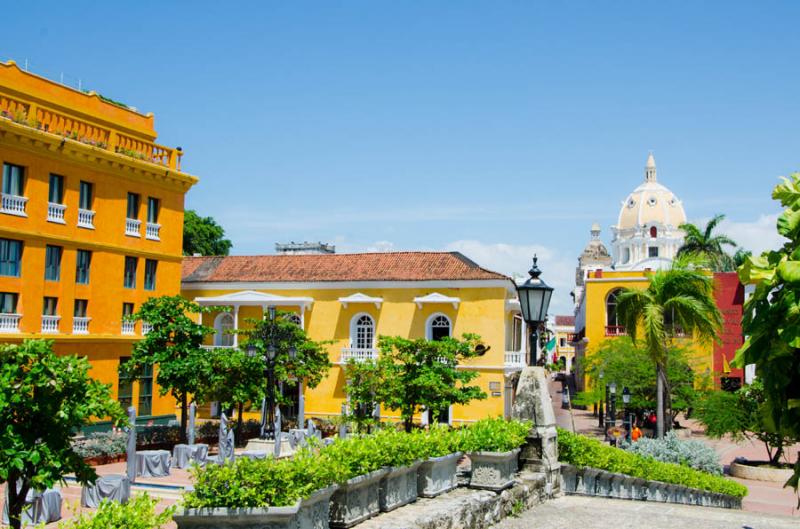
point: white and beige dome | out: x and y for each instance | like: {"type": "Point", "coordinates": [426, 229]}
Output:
{"type": "Point", "coordinates": [647, 233]}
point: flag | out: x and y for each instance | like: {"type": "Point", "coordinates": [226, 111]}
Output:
{"type": "Point", "coordinates": [551, 344]}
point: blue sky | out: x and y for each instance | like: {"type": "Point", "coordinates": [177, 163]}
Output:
{"type": "Point", "coordinates": [496, 128]}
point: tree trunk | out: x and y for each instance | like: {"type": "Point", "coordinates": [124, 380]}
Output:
{"type": "Point", "coordinates": [775, 458]}
{"type": "Point", "coordinates": [184, 416]}
{"type": "Point", "coordinates": [659, 401]}
{"type": "Point", "coordinates": [16, 500]}
{"type": "Point", "coordinates": [408, 423]}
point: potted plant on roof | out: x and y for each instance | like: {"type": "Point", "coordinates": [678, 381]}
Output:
{"type": "Point", "coordinates": [437, 473]}
{"type": "Point", "coordinates": [290, 493]}
{"type": "Point", "coordinates": [493, 447]}
{"type": "Point", "coordinates": [402, 454]}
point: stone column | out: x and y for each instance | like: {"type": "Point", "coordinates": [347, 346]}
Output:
{"type": "Point", "coordinates": [236, 325]}
{"type": "Point", "coordinates": [301, 404]}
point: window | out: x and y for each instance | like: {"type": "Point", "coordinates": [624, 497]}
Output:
{"type": "Point", "coordinates": [86, 195]}
{"type": "Point", "coordinates": [653, 232]}
{"type": "Point", "coordinates": [652, 251]}
{"type": "Point", "coordinates": [150, 266]}
{"type": "Point", "coordinates": [294, 318]}
{"type": "Point", "coordinates": [13, 179]}
{"type": "Point", "coordinates": [130, 272]}
{"type": "Point", "coordinates": [562, 342]}
{"type": "Point", "coordinates": [124, 386]}
{"type": "Point", "coordinates": [82, 263]}
{"type": "Point", "coordinates": [81, 306]}
{"type": "Point", "coordinates": [127, 310]}
{"type": "Point", "coordinates": [438, 327]}
{"type": "Point", "coordinates": [516, 333]}
{"type": "Point", "coordinates": [626, 255]}
{"type": "Point", "coordinates": [50, 307]}
{"type": "Point", "coordinates": [146, 391]}
{"type": "Point", "coordinates": [153, 206]}
{"type": "Point", "coordinates": [133, 206]}
{"type": "Point", "coordinates": [290, 399]}
{"type": "Point", "coordinates": [222, 324]}
{"type": "Point", "coordinates": [8, 302]}
{"type": "Point", "coordinates": [612, 319]}
{"type": "Point", "coordinates": [362, 332]}
{"type": "Point", "coordinates": [56, 194]}
{"type": "Point", "coordinates": [52, 263]}
{"type": "Point", "coordinates": [10, 257]}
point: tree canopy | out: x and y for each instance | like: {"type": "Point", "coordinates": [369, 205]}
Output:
{"type": "Point", "coordinates": [708, 246]}
{"type": "Point", "coordinates": [202, 235]}
{"type": "Point", "coordinates": [44, 399]}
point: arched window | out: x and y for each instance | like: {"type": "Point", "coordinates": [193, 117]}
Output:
{"type": "Point", "coordinates": [653, 232]}
{"type": "Point", "coordinates": [362, 332]}
{"type": "Point", "coordinates": [626, 255]}
{"type": "Point", "coordinates": [438, 327]}
{"type": "Point", "coordinates": [222, 324]}
{"type": "Point", "coordinates": [613, 325]}
{"type": "Point", "coordinates": [294, 318]}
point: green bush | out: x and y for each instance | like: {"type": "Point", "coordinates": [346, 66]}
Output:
{"type": "Point", "coordinates": [493, 435]}
{"type": "Point", "coordinates": [138, 513]}
{"type": "Point", "coordinates": [437, 441]}
{"type": "Point", "coordinates": [100, 444]}
{"type": "Point", "coordinates": [670, 449]}
{"type": "Point", "coordinates": [582, 451]}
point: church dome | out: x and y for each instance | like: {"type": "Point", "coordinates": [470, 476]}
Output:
{"type": "Point", "coordinates": [650, 204]}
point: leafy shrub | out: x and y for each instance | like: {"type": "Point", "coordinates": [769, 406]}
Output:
{"type": "Point", "coordinates": [398, 448]}
{"type": "Point", "coordinates": [670, 449]}
{"type": "Point", "coordinates": [158, 434]}
{"type": "Point", "coordinates": [582, 451]}
{"type": "Point", "coordinates": [138, 513]}
{"type": "Point", "coordinates": [493, 435]}
{"type": "Point", "coordinates": [100, 444]}
{"type": "Point", "coordinates": [437, 441]}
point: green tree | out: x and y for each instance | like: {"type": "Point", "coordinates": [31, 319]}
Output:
{"type": "Point", "coordinates": [364, 382]}
{"type": "Point", "coordinates": [44, 398]}
{"type": "Point", "coordinates": [202, 235]}
{"type": "Point", "coordinates": [740, 415]}
{"type": "Point", "coordinates": [771, 319]}
{"type": "Point", "coordinates": [174, 346]}
{"type": "Point", "coordinates": [741, 256]}
{"type": "Point", "coordinates": [423, 374]}
{"type": "Point", "coordinates": [704, 244]}
{"type": "Point", "coordinates": [678, 300]}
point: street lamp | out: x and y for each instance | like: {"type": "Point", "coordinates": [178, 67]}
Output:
{"type": "Point", "coordinates": [267, 336]}
{"type": "Point", "coordinates": [626, 420]}
{"type": "Point", "coordinates": [612, 409]}
{"type": "Point", "coordinates": [534, 300]}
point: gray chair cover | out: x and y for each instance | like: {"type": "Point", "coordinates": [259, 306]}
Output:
{"type": "Point", "coordinates": [40, 507]}
{"type": "Point", "coordinates": [184, 455]}
{"type": "Point", "coordinates": [227, 442]}
{"type": "Point", "coordinates": [112, 487]}
{"type": "Point", "coordinates": [152, 463]}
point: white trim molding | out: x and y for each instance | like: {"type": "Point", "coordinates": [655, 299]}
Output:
{"type": "Point", "coordinates": [435, 297]}
{"type": "Point", "coordinates": [358, 297]}
{"type": "Point", "coordinates": [253, 298]}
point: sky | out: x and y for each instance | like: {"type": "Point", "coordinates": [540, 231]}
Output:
{"type": "Point", "coordinates": [498, 128]}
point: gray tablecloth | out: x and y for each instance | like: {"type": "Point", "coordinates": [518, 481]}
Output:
{"type": "Point", "coordinates": [183, 455]}
{"type": "Point", "coordinates": [41, 507]}
{"type": "Point", "coordinates": [113, 487]}
{"type": "Point", "coordinates": [152, 463]}
{"type": "Point", "coordinates": [254, 454]}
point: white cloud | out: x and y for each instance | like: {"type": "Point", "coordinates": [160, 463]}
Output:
{"type": "Point", "coordinates": [756, 236]}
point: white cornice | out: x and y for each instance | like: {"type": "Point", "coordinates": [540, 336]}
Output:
{"type": "Point", "coordinates": [618, 279]}
{"type": "Point", "coordinates": [345, 285]}
{"type": "Point", "coordinates": [358, 297]}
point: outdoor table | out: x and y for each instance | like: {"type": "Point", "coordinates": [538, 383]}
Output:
{"type": "Point", "coordinates": [254, 454]}
{"type": "Point", "coordinates": [113, 487]}
{"type": "Point", "coordinates": [152, 463]}
{"type": "Point", "coordinates": [45, 507]}
{"type": "Point", "coordinates": [183, 455]}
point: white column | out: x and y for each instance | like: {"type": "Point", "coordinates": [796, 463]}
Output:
{"type": "Point", "coordinates": [200, 318]}
{"type": "Point", "coordinates": [236, 325]}
{"type": "Point", "coordinates": [301, 405]}
{"type": "Point", "coordinates": [524, 338]}
{"type": "Point", "coordinates": [302, 317]}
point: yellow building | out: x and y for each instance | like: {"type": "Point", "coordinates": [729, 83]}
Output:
{"type": "Point", "coordinates": [352, 299]}
{"type": "Point", "coordinates": [91, 224]}
{"type": "Point", "coordinates": [564, 331]}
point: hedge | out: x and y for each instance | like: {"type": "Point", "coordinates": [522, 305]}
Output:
{"type": "Point", "coordinates": [582, 451]}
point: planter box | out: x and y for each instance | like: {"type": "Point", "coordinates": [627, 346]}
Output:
{"type": "Point", "coordinates": [437, 475]}
{"type": "Point", "coordinates": [493, 470]}
{"type": "Point", "coordinates": [356, 500]}
{"type": "Point", "coordinates": [745, 471]}
{"type": "Point", "coordinates": [398, 487]}
{"type": "Point", "coordinates": [311, 513]}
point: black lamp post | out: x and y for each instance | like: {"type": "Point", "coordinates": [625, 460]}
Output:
{"type": "Point", "coordinates": [267, 336]}
{"type": "Point", "coordinates": [534, 300]}
{"type": "Point", "coordinates": [626, 420]}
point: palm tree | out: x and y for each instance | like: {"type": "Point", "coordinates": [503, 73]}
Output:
{"type": "Point", "coordinates": [677, 301]}
{"type": "Point", "coordinates": [705, 245]}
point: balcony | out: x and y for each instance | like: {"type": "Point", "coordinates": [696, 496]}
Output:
{"type": "Point", "coordinates": [129, 327]}
{"type": "Point", "coordinates": [357, 354]}
{"type": "Point", "coordinates": [14, 205]}
{"type": "Point", "coordinates": [152, 230]}
{"type": "Point", "coordinates": [9, 322]}
{"type": "Point", "coordinates": [615, 330]}
{"type": "Point", "coordinates": [132, 227]}
{"type": "Point", "coordinates": [146, 328]}
{"type": "Point", "coordinates": [86, 218]}
{"type": "Point", "coordinates": [55, 212]}
{"type": "Point", "coordinates": [50, 324]}
{"type": "Point", "coordinates": [514, 359]}
{"type": "Point", "coordinates": [80, 325]}
{"type": "Point", "coordinates": [212, 347]}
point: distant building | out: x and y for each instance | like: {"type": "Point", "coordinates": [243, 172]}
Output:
{"type": "Point", "coordinates": [564, 329]}
{"type": "Point", "coordinates": [304, 248]}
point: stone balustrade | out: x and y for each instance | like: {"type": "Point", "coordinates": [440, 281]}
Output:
{"type": "Point", "coordinates": [14, 205]}
{"type": "Point", "coordinates": [55, 212]}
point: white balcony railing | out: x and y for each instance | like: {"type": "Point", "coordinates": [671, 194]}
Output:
{"type": "Point", "coordinates": [146, 328]}
{"type": "Point", "coordinates": [14, 205]}
{"type": "Point", "coordinates": [55, 212]}
{"type": "Point", "coordinates": [357, 354]}
{"type": "Point", "coordinates": [9, 322]}
{"type": "Point", "coordinates": [86, 218]}
{"type": "Point", "coordinates": [152, 230]}
{"type": "Point", "coordinates": [212, 347]}
{"type": "Point", "coordinates": [515, 358]}
{"type": "Point", "coordinates": [132, 227]}
{"type": "Point", "coordinates": [128, 327]}
{"type": "Point", "coordinates": [50, 324]}
{"type": "Point", "coordinates": [80, 325]}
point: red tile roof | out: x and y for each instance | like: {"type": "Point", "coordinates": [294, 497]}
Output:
{"type": "Point", "coordinates": [391, 266]}
{"type": "Point", "coordinates": [566, 321]}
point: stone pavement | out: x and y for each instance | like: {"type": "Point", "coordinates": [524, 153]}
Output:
{"type": "Point", "coordinates": [570, 512]}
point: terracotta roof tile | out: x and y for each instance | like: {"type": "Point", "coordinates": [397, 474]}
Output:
{"type": "Point", "coordinates": [566, 321]}
{"type": "Point", "coordinates": [391, 266]}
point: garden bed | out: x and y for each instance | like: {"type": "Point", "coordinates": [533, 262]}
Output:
{"type": "Point", "coordinates": [760, 471]}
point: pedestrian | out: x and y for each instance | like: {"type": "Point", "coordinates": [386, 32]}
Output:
{"type": "Point", "coordinates": [636, 433]}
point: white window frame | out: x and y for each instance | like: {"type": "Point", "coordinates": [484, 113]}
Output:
{"type": "Point", "coordinates": [429, 324]}
{"type": "Point", "coordinates": [354, 330]}
{"type": "Point", "coordinates": [220, 337]}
